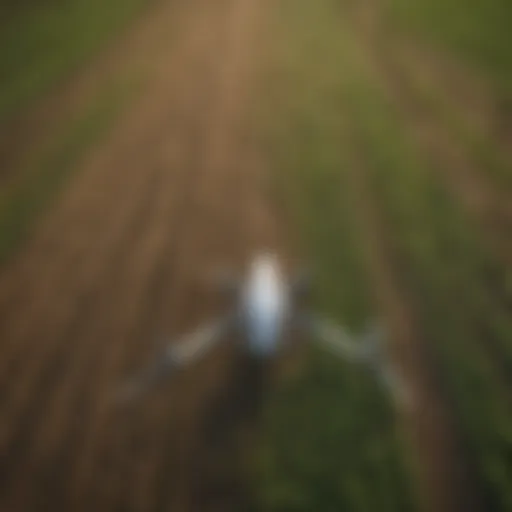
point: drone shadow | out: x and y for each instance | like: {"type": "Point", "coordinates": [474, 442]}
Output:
{"type": "Point", "coordinates": [229, 425]}
{"type": "Point", "coordinates": [239, 402]}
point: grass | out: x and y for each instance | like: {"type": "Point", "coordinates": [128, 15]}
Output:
{"type": "Point", "coordinates": [328, 447]}
{"type": "Point", "coordinates": [478, 32]}
{"type": "Point", "coordinates": [446, 264]}
{"type": "Point", "coordinates": [23, 204]}
{"type": "Point", "coordinates": [41, 42]}
{"type": "Point", "coordinates": [481, 147]}
{"type": "Point", "coordinates": [330, 441]}
{"type": "Point", "coordinates": [443, 261]}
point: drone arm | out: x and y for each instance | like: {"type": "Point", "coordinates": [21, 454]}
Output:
{"type": "Point", "coordinates": [369, 351]}
{"type": "Point", "coordinates": [197, 343]}
{"type": "Point", "coordinates": [177, 354]}
{"type": "Point", "coordinates": [336, 339]}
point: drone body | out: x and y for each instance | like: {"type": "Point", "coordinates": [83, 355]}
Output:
{"type": "Point", "coordinates": [266, 308]}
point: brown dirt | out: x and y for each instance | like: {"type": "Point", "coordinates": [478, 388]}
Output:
{"type": "Point", "coordinates": [177, 188]}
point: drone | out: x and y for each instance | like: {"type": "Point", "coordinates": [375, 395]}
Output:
{"type": "Point", "coordinates": [266, 306]}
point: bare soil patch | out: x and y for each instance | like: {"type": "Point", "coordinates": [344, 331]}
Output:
{"type": "Point", "coordinates": [176, 189]}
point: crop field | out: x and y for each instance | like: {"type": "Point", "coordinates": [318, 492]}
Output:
{"type": "Point", "coordinates": [148, 144]}
{"type": "Point", "coordinates": [394, 162]}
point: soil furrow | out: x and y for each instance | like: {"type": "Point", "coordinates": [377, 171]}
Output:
{"type": "Point", "coordinates": [94, 260]}
{"type": "Point", "coordinates": [54, 367]}
{"type": "Point", "coordinates": [181, 210]}
{"type": "Point", "coordinates": [136, 49]}
{"type": "Point", "coordinates": [219, 161]}
{"type": "Point", "coordinates": [175, 191]}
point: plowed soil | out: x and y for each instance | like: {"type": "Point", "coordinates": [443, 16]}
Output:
{"type": "Point", "coordinates": [117, 265]}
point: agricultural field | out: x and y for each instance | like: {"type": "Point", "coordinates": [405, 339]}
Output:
{"type": "Point", "coordinates": [146, 144]}
{"type": "Point", "coordinates": [386, 142]}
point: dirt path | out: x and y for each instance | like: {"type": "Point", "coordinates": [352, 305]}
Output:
{"type": "Point", "coordinates": [176, 189]}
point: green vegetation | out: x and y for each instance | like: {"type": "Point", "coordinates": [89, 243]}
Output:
{"type": "Point", "coordinates": [477, 31]}
{"type": "Point", "coordinates": [329, 445]}
{"type": "Point", "coordinates": [445, 264]}
{"type": "Point", "coordinates": [329, 441]}
{"type": "Point", "coordinates": [482, 148]}
{"type": "Point", "coordinates": [21, 206]}
{"type": "Point", "coordinates": [40, 42]}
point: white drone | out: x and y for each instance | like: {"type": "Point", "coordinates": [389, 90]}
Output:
{"type": "Point", "coordinates": [267, 307]}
